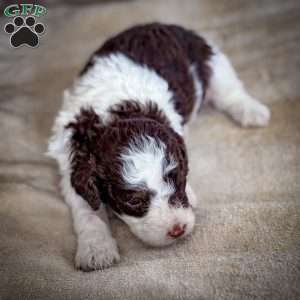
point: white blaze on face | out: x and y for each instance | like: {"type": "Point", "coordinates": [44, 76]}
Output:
{"type": "Point", "coordinates": [145, 165]}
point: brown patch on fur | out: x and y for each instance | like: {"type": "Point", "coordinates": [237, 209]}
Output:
{"type": "Point", "coordinates": [95, 157]}
{"type": "Point", "coordinates": [130, 109]}
{"type": "Point", "coordinates": [169, 50]}
{"type": "Point", "coordinates": [83, 162]}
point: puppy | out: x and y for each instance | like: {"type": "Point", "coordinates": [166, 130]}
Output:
{"type": "Point", "coordinates": [118, 138]}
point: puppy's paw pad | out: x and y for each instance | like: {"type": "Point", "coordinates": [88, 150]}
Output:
{"type": "Point", "coordinates": [96, 253]}
{"type": "Point", "coordinates": [254, 114]}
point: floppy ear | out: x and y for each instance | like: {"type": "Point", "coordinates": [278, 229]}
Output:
{"type": "Point", "coordinates": [84, 169]}
{"type": "Point", "coordinates": [84, 179]}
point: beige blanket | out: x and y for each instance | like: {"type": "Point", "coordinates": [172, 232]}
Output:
{"type": "Point", "coordinates": [246, 243]}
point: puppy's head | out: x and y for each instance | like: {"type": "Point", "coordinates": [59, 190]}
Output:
{"type": "Point", "coordinates": [153, 200]}
{"type": "Point", "coordinates": [149, 187]}
{"type": "Point", "coordinates": [141, 174]}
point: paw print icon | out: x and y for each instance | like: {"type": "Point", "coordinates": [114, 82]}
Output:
{"type": "Point", "coordinates": [24, 31]}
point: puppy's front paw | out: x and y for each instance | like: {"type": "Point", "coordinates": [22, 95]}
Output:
{"type": "Point", "coordinates": [253, 113]}
{"type": "Point", "coordinates": [96, 251]}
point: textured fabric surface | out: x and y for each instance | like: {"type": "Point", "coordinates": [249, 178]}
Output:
{"type": "Point", "coordinates": [246, 243]}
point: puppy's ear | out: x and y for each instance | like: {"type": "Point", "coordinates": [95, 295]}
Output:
{"type": "Point", "coordinates": [86, 129]}
{"type": "Point", "coordinates": [84, 179]}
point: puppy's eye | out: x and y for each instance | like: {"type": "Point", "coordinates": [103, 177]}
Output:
{"type": "Point", "coordinates": [137, 198]}
{"type": "Point", "coordinates": [171, 174]}
{"type": "Point", "coordinates": [135, 201]}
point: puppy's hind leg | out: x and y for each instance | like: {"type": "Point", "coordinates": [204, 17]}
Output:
{"type": "Point", "coordinates": [228, 94]}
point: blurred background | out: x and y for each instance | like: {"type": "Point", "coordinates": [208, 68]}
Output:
{"type": "Point", "coordinates": [247, 239]}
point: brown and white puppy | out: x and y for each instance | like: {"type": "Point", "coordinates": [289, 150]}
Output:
{"type": "Point", "coordinates": [118, 138]}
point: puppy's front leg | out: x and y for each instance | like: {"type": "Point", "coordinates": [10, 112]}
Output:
{"type": "Point", "coordinates": [96, 248]}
